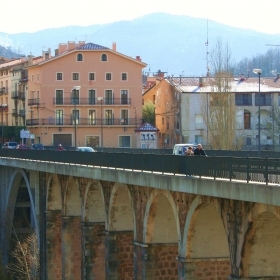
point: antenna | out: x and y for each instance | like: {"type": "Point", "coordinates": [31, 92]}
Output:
{"type": "Point", "coordinates": [207, 53]}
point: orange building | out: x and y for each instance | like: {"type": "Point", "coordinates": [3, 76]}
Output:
{"type": "Point", "coordinates": [166, 99]}
{"type": "Point", "coordinates": [86, 95]}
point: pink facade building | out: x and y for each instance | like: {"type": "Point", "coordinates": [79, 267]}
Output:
{"type": "Point", "coordinates": [85, 95]}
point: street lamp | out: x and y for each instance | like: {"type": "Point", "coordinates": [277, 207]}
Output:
{"type": "Point", "coordinates": [258, 72]}
{"type": "Point", "coordinates": [101, 100]}
{"type": "Point", "coordinates": [74, 99]}
{"type": "Point", "coordinates": [31, 124]}
{"type": "Point", "coordinates": [2, 108]}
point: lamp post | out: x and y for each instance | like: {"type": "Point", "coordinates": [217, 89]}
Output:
{"type": "Point", "coordinates": [258, 72]}
{"type": "Point", "coordinates": [101, 100]}
{"type": "Point", "coordinates": [31, 124]}
{"type": "Point", "coordinates": [135, 115]}
{"type": "Point", "coordinates": [74, 99]}
{"type": "Point", "coordinates": [2, 108]}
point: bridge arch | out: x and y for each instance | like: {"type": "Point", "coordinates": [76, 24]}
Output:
{"type": "Point", "coordinates": [260, 252]}
{"type": "Point", "coordinates": [200, 240]}
{"type": "Point", "coordinates": [161, 222]}
{"type": "Point", "coordinates": [54, 197]}
{"type": "Point", "coordinates": [121, 211]}
{"type": "Point", "coordinates": [19, 176]}
{"type": "Point", "coordinates": [94, 205]}
{"type": "Point", "coordinates": [72, 198]}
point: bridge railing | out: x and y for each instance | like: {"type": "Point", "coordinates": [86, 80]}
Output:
{"type": "Point", "coordinates": [233, 168]}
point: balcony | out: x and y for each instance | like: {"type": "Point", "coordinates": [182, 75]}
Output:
{"type": "Point", "coordinates": [91, 101]}
{"type": "Point", "coordinates": [22, 113]}
{"type": "Point", "coordinates": [3, 91]}
{"type": "Point", "coordinates": [84, 122]}
{"type": "Point", "coordinates": [33, 101]}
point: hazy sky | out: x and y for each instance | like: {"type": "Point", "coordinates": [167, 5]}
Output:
{"type": "Point", "coordinates": [33, 15]}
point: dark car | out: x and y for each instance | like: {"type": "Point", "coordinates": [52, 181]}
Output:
{"type": "Point", "coordinates": [37, 147]}
{"type": "Point", "coordinates": [22, 147]}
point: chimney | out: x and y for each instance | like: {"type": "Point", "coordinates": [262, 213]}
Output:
{"type": "Point", "coordinates": [138, 58]}
{"type": "Point", "coordinates": [114, 46]}
{"type": "Point", "coordinates": [71, 46]}
{"type": "Point", "coordinates": [81, 43]}
{"type": "Point", "coordinates": [62, 48]}
{"type": "Point", "coordinates": [200, 82]}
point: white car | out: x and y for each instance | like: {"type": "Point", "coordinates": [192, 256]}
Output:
{"type": "Point", "coordinates": [85, 149]}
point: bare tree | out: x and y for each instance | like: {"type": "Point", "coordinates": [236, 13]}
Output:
{"type": "Point", "coordinates": [218, 103]}
{"type": "Point", "coordinates": [25, 257]}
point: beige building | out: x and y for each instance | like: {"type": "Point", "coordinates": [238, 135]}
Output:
{"type": "Point", "coordinates": [179, 115]}
{"type": "Point", "coordinates": [85, 95]}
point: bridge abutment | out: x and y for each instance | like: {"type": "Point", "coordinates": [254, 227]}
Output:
{"type": "Point", "coordinates": [94, 251]}
{"type": "Point", "coordinates": [71, 247]}
{"type": "Point", "coordinates": [119, 255]}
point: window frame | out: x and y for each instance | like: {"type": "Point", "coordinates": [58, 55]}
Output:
{"type": "Point", "coordinates": [91, 74]}
{"type": "Point", "coordinates": [73, 76]}
{"type": "Point", "coordinates": [122, 76]}
{"type": "Point", "coordinates": [57, 76]}
{"type": "Point", "coordinates": [108, 76]}
{"type": "Point", "coordinates": [80, 57]}
{"type": "Point", "coordinates": [104, 57]}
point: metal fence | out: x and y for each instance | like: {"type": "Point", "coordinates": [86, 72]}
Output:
{"type": "Point", "coordinates": [247, 168]}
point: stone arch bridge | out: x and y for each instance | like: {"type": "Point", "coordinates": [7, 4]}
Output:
{"type": "Point", "coordinates": [108, 223]}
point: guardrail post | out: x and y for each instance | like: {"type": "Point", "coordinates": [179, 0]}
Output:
{"type": "Point", "coordinates": [247, 170]}
{"type": "Point", "coordinates": [230, 168]}
{"type": "Point", "coordinates": [215, 167]}
{"type": "Point", "coordinates": [266, 170]}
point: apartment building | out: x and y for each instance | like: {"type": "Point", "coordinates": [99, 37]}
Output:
{"type": "Point", "coordinates": [179, 114]}
{"type": "Point", "coordinates": [85, 95]}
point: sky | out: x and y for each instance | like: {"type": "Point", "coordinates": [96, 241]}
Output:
{"type": "Point", "coordinates": [19, 16]}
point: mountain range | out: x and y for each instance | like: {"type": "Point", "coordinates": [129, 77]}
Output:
{"type": "Point", "coordinates": [169, 43]}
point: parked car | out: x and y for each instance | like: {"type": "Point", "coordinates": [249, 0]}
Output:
{"type": "Point", "coordinates": [10, 145]}
{"type": "Point", "coordinates": [179, 149]}
{"type": "Point", "coordinates": [85, 149]}
{"type": "Point", "coordinates": [37, 147]}
{"type": "Point", "coordinates": [22, 147]}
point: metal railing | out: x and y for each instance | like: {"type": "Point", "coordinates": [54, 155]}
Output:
{"type": "Point", "coordinates": [92, 101]}
{"type": "Point", "coordinates": [265, 170]}
{"type": "Point", "coordinates": [84, 121]}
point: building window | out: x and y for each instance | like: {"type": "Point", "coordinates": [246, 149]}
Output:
{"type": "Point", "coordinates": [124, 117]}
{"type": "Point", "coordinates": [108, 97]}
{"type": "Point", "coordinates": [108, 117]}
{"type": "Point", "coordinates": [124, 76]}
{"type": "Point", "coordinates": [59, 117]}
{"type": "Point", "coordinates": [75, 76]}
{"type": "Point", "coordinates": [124, 141]}
{"type": "Point", "coordinates": [162, 121]}
{"type": "Point", "coordinates": [243, 99]}
{"type": "Point", "coordinates": [91, 76]}
{"type": "Point", "coordinates": [265, 99]}
{"type": "Point", "coordinates": [124, 97]}
{"type": "Point", "coordinates": [92, 141]}
{"type": "Point", "coordinates": [248, 140]}
{"type": "Point", "coordinates": [38, 77]}
{"type": "Point", "coordinates": [92, 117]}
{"type": "Point", "coordinates": [59, 76]}
{"type": "Point", "coordinates": [32, 78]}
{"type": "Point", "coordinates": [75, 116]}
{"type": "Point", "coordinates": [79, 57]}
{"type": "Point", "coordinates": [108, 76]}
{"type": "Point", "coordinates": [75, 96]}
{"type": "Point", "coordinates": [91, 96]}
{"type": "Point", "coordinates": [247, 120]}
{"type": "Point", "coordinates": [103, 57]}
{"type": "Point", "coordinates": [59, 96]}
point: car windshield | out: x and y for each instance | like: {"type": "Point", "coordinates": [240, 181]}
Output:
{"type": "Point", "coordinates": [85, 149]}
{"type": "Point", "coordinates": [13, 144]}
